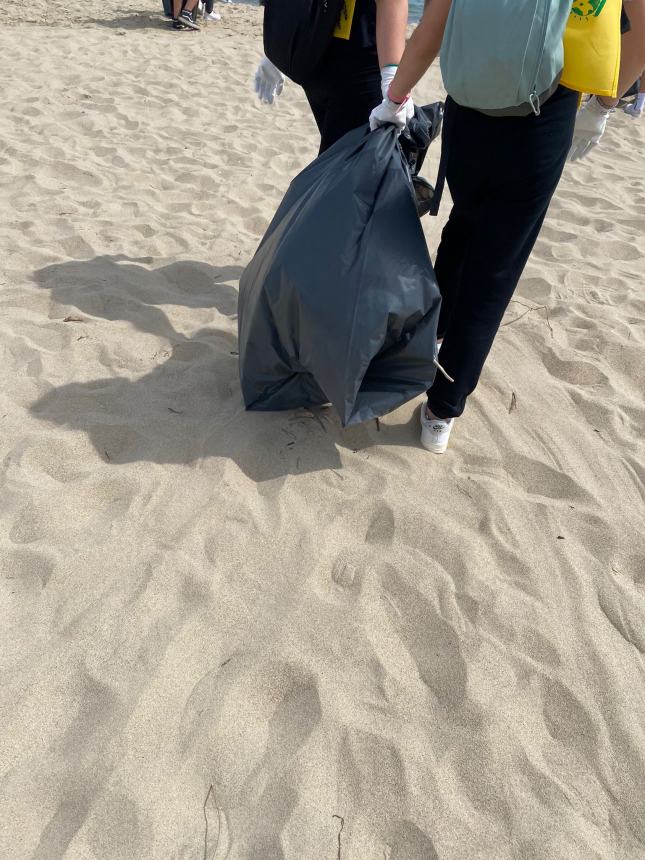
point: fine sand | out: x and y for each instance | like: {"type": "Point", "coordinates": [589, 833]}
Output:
{"type": "Point", "coordinates": [261, 637]}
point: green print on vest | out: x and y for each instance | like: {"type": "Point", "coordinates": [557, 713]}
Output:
{"type": "Point", "coordinates": [588, 8]}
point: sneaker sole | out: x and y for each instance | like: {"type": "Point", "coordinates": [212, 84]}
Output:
{"type": "Point", "coordinates": [434, 448]}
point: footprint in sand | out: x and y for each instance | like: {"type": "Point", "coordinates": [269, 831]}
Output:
{"type": "Point", "coordinates": [624, 609]}
{"type": "Point", "coordinates": [372, 772]}
{"type": "Point", "coordinates": [539, 479]}
{"type": "Point", "coordinates": [347, 573]}
{"type": "Point", "coordinates": [535, 289]}
{"type": "Point", "coordinates": [130, 838]}
{"type": "Point", "coordinates": [26, 566]}
{"type": "Point", "coordinates": [407, 842]}
{"type": "Point", "coordinates": [28, 526]}
{"type": "Point", "coordinates": [381, 527]}
{"type": "Point", "coordinates": [620, 251]}
{"type": "Point", "coordinates": [567, 719]}
{"type": "Point", "coordinates": [87, 762]}
{"type": "Point", "coordinates": [242, 728]}
{"type": "Point", "coordinates": [574, 372]}
{"type": "Point", "coordinates": [433, 644]}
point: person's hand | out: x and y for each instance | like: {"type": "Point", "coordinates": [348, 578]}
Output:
{"type": "Point", "coordinates": [389, 113]}
{"type": "Point", "coordinates": [633, 110]}
{"type": "Point", "coordinates": [590, 127]}
{"type": "Point", "coordinates": [409, 110]}
{"type": "Point", "coordinates": [387, 76]}
{"type": "Point", "coordinates": [269, 82]}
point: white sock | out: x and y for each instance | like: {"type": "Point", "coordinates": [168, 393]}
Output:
{"type": "Point", "coordinates": [639, 104]}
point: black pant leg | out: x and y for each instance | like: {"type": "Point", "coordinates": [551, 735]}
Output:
{"type": "Point", "coordinates": [351, 103]}
{"type": "Point", "coordinates": [318, 102]}
{"type": "Point", "coordinates": [449, 265]}
{"type": "Point", "coordinates": [502, 173]}
{"type": "Point", "coordinates": [344, 94]}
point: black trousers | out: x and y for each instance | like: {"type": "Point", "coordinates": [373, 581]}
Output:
{"type": "Point", "coordinates": [502, 173]}
{"type": "Point", "coordinates": [345, 92]}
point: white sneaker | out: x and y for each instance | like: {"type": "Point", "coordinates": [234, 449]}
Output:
{"type": "Point", "coordinates": [632, 110]}
{"type": "Point", "coordinates": [435, 432]}
{"type": "Point", "coordinates": [212, 16]}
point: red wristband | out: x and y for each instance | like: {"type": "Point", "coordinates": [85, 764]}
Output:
{"type": "Point", "coordinates": [396, 101]}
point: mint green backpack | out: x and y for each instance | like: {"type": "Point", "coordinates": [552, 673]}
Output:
{"type": "Point", "coordinates": [504, 56]}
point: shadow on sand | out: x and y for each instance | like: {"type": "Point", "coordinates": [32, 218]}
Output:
{"type": "Point", "coordinates": [188, 407]}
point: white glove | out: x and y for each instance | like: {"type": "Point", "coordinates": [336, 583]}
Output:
{"type": "Point", "coordinates": [590, 127]}
{"type": "Point", "coordinates": [389, 112]}
{"type": "Point", "coordinates": [387, 76]}
{"type": "Point", "coordinates": [633, 110]}
{"type": "Point", "coordinates": [269, 82]}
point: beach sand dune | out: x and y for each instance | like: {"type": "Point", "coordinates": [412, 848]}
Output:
{"type": "Point", "coordinates": [261, 637]}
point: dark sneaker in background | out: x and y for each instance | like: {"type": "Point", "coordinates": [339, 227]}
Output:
{"type": "Point", "coordinates": [186, 18]}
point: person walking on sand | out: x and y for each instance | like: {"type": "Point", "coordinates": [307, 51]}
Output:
{"type": "Point", "coordinates": [591, 123]}
{"type": "Point", "coordinates": [209, 13]}
{"type": "Point", "coordinates": [506, 138]}
{"type": "Point", "coordinates": [183, 17]}
{"type": "Point", "coordinates": [356, 71]}
{"type": "Point", "coordinates": [635, 108]}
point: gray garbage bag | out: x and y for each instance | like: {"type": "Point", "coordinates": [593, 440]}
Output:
{"type": "Point", "coordinates": [340, 302]}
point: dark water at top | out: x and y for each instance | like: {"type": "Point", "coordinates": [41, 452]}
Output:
{"type": "Point", "coordinates": [416, 8]}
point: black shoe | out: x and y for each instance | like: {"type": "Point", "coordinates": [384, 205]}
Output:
{"type": "Point", "coordinates": [177, 25]}
{"type": "Point", "coordinates": [186, 18]}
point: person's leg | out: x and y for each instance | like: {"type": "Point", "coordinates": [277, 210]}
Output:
{"type": "Point", "coordinates": [632, 47]}
{"type": "Point", "coordinates": [632, 50]}
{"type": "Point", "coordinates": [501, 173]}
{"type": "Point", "coordinates": [354, 90]}
{"type": "Point", "coordinates": [209, 14]}
{"type": "Point", "coordinates": [451, 254]}
{"type": "Point", "coordinates": [637, 107]}
{"type": "Point", "coordinates": [639, 103]}
{"type": "Point", "coordinates": [185, 16]}
{"type": "Point", "coordinates": [318, 103]}
{"type": "Point", "coordinates": [449, 263]}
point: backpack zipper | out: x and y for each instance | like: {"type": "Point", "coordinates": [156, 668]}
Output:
{"type": "Point", "coordinates": [534, 98]}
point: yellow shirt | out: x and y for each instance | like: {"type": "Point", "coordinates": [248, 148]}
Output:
{"type": "Point", "coordinates": [592, 47]}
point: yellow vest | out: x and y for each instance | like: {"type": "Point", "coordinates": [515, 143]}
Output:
{"type": "Point", "coordinates": [592, 47]}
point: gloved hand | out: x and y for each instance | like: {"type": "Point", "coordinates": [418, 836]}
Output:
{"type": "Point", "coordinates": [389, 112]}
{"type": "Point", "coordinates": [633, 109]}
{"type": "Point", "coordinates": [590, 127]}
{"type": "Point", "coordinates": [269, 82]}
{"type": "Point", "coordinates": [387, 76]}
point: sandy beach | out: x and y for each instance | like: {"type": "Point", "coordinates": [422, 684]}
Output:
{"type": "Point", "coordinates": [260, 636]}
